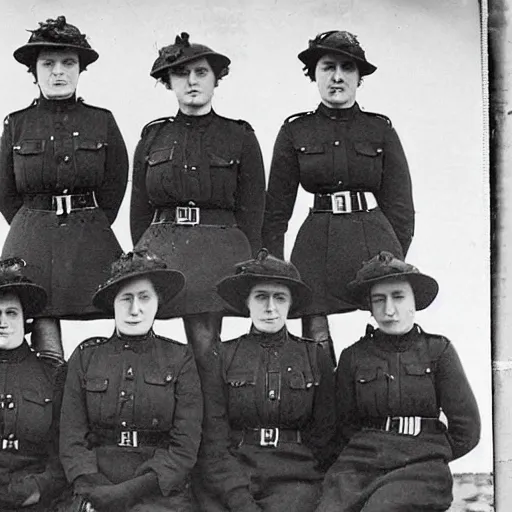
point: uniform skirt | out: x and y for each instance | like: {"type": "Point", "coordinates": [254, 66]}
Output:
{"type": "Point", "coordinates": [330, 249]}
{"type": "Point", "coordinates": [69, 256]}
{"type": "Point", "coordinates": [205, 254]}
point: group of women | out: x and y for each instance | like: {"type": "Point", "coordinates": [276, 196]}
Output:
{"type": "Point", "coordinates": [262, 422]}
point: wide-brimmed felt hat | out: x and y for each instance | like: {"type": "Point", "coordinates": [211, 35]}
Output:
{"type": "Point", "coordinates": [182, 51]}
{"type": "Point", "coordinates": [385, 266]}
{"type": "Point", "coordinates": [336, 41]}
{"type": "Point", "coordinates": [56, 34]}
{"type": "Point", "coordinates": [32, 296]}
{"type": "Point", "coordinates": [140, 264]}
{"type": "Point", "coordinates": [265, 268]}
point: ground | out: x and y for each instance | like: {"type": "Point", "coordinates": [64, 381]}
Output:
{"type": "Point", "coordinates": [472, 492]}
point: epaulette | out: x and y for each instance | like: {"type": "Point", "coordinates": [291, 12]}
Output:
{"type": "Point", "coordinates": [241, 122]}
{"type": "Point", "coordinates": [300, 338]}
{"type": "Point", "coordinates": [32, 105]}
{"type": "Point", "coordinates": [160, 120]}
{"type": "Point", "coordinates": [380, 116]}
{"type": "Point", "coordinates": [93, 342]}
{"type": "Point", "coordinates": [234, 340]}
{"type": "Point", "coordinates": [291, 118]}
{"type": "Point", "coordinates": [169, 340]}
{"type": "Point", "coordinates": [81, 100]}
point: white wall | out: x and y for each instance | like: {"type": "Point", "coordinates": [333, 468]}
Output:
{"type": "Point", "coordinates": [428, 83]}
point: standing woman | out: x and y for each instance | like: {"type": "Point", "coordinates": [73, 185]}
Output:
{"type": "Point", "coordinates": [391, 387]}
{"type": "Point", "coordinates": [353, 163]}
{"type": "Point", "coordinates": [269, 400]}
{"type": "Point", "coordinates": [63, 174]}
{"type": "Point", "coordinates": [198, 187]}
{"type": "Point", "coordinates": [132, 408]}
{"type": "Point", "coordinates": [31, 476]}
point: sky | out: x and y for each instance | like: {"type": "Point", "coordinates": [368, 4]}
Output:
{"type": "Point", "coordinates": [428, 81]}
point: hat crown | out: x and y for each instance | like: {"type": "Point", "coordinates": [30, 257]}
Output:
{"type": "Point", "coordinates": [382, 265]}
{"type": "Point", "coordinates": [58, 32]}
{"type": "Point", "coordinates": [267, 265]}
{"type": "Point", "coordinates": [136, 262]}
{"type": "Point", "coordinates": [11, 271]}
{"type": "Point", "coordinates": [338, 40]}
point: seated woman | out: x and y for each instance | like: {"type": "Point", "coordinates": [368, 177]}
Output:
{"type": "Point", "coordinates": [391, 388]}
{"type": "Point", "coordinates": [269, 399]}
{"type": "Point", "coordinates": [132, 407]}
{"type": "Point", "coordinates": [30, 395]}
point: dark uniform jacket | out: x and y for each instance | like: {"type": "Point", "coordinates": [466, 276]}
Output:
{"type": "Point", "coordinates": [213, 163]}
{"type": "Point", "coordinates": [332, 150]}
{"type": "Point", "coordinates": [417, 374]}
{"type": "Point", "coordinates": [30, 399]}
{"type": "Point", "coordinates": [147, 384]}
{"type": "Point", "coordinates": [53, 148]}
{"type": "Point", "coordinates": [266, 380]}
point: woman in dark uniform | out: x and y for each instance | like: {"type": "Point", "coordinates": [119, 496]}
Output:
{"type": "Point", "coordinates": [269, 399]}
{"type": "Point", "coordinates": [132, 408]}
{"type": "Point", "coordinates": [353, 163]}
{"type": "Point", "coordinates": [63, 173]}
{"type": "Point", "coordinates": [31, 476]}
{"type": "Point", "coordinates": [198, 187]}
{"type": "Point", "coordinates": [391, 387]}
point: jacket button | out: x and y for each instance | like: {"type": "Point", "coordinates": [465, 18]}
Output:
{"type": "Point", "coordinates": [303, 149]}
{"type": "Point", "coordinates": [272, 394]}
{"type": "Point", "coordinates": [428, 370]}
{"type": "Point", "coordinates": [168, 378]}
{"type": "Point", "coordinates": [66, 158]}
{"type": "Point", "coordinates": [336, 142]}
{"type": "Point", "coordinates": [123, 393]}
{"type": "Point", "coordinates": [123, 423]}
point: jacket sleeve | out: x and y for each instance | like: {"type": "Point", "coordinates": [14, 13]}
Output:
{"type": "Point", "coordinates": [221, 470]}
{"type": "Point", "coordinates": [75, 457]}
{"type": "Point", "coordinates": [110, 194]}
{"type": "Point", "coordinates": [10, 199]}
{"type": "Point", "coordinates": [395, 194]}
{"type": "Point", "coordinates": [141, 210]}
{"type": "Point", "coordinates": [250, 201]}
{"type": "Point", "coordinates": [320, 432]}
{"type": "Point", "coordinates": [458, 403]}
{"type": "Point", "coordinates": [172, 465]}
{"type": "Point", "coordinates": [281, 193]}
{"type": "Point", "coordinates": [52, 480]}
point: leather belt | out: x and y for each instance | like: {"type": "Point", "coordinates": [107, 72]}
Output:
{"type": "Point", "coordinates": [266, 436]}
{"type": "Point", "coordinates": [194, 215]}
{"type": "Point", "coordinates": [347, 201]}
{"type": "Point", "coordinates": [129, 438]}
{"type": "Point", "coordinates": [406, 425]}
{"type": "Point", "coordinates": [61, 204]}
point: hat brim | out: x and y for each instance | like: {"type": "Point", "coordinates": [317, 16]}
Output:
{"type": "Point", "coordinates": [425, 289]}
{"type": "Point", "coordinates": [168, 283]}
{"type": "Point", "coordinates": [27, 54]}
{"type": "Point", "coordinates": [220, 62]}
{"type": "Point", "coordinates": [311, 56]}
{"type": "Point", "coordinates": [236, 289]}
{"type": "Point", "coordinates": [32, 297]}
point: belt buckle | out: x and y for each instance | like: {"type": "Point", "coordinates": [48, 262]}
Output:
{"type": "Point", "coordinates": [407, 425]}
{"type": "Point", "coordinates": [269, 437]}
{"type": "Point", "coordinates": [63, 204]}
{"type": "Point", "coordinates": [10, 443]}
{"type": "Point", "coordinates": [128, 438]}
{"type": "Point", "coordinates": [341, 202]}
{"type": "Point", "coordinates": [187, 215]}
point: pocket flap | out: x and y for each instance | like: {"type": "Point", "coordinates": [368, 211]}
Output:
{"type": "Point", "coordinates": [365, 375]}
{"type": "Point", "coordinates": [34, 396]}
{"type": "Point", "coordinates": [418, 369]}
{"type": "Point", "coordinates": [238, 378]}
{"type": "Point", "coordinates": [30, 147]}
{"type": "Point", "coordinates": [367, 148]}
{"type": "Point", "coordinates": [90, 145]}
{"type": "Point", "coordinates": [96, 385]}
{"type": "Point", "coordinates": [219, 161]}
{"type": "Point", "coordinates": [310, 149]}
{"type": "Point", "coordinates": [298, 381]}
{"type": "Point", "coordinates": [159, 156]}
{"type": "Point", "coordinates": [158, 377]}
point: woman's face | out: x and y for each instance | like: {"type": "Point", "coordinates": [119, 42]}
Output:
{"type": "Point", "coordinates": [135, 307]}
{"type": "Point", "coordinates": [337, 78]}
{"type": "Point", "coordinates": [57, 73]}
{"type": "Point", "coordinates": [194, 84]}
{"type": "Point", "coordinates": [12, 328]}
{"type": "Point", "coordinates": [393, 306]}
{"type": "Point", "coordinates": [269, 304]}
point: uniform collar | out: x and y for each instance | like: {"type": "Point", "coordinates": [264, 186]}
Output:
{"type": "Point", "coordinates": [269, 339]}
{"type": "Point", "coordinates": [137, 344]}
{"type": "Point", "coordinates": [16, 354]}
{"type": "Point", "coordinates": [338, 114]}
{"type": "Point", "coordinates": [56, 105]}
{"type": "Point", "coordinates": [195, 121]}
{"type": "Point", "coordinates": [396, 343]}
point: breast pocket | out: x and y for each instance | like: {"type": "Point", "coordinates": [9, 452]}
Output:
{"type": "Point", "coordinates": [90, 157]}
{"type": "Point", "coordinates": [224, 180]}
{"type": "Point", "coordinates": [315, 165]}
{"type": "Point", "coordinates": [35, 415]}
{"type": "Point", "coordinates": [28, 158]}
{"type": "Point", "coordinates": [155, 405]}
{"type": "Point", "coordinates": [242, 408]}
{"type": "Point", "coordinates": [419, 387]}
{"type": "Point", "coordinates": [297, 396]}
{"type": "Point", "coordinates": [96, 394]}
{"type": "Point", "coordinates": [366, 165]}
{"type": "Point", "coordinates": [372, 391]}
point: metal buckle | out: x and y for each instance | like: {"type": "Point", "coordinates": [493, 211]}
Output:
{"type": "Point", "coordinates": [10, 444]}
{"type": "Point", "coordinates": [269, 437]}
{"type": "Point", "coordinates": [407, 425]}
{"type": "Point", "coordinates": [187, 215]}
{"type": "Point", "coordinates": [128, 438]}
{"type": "Point", "coordinates": [63, 204]}
{"type": "Point", "coordinates": [341, 202]}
